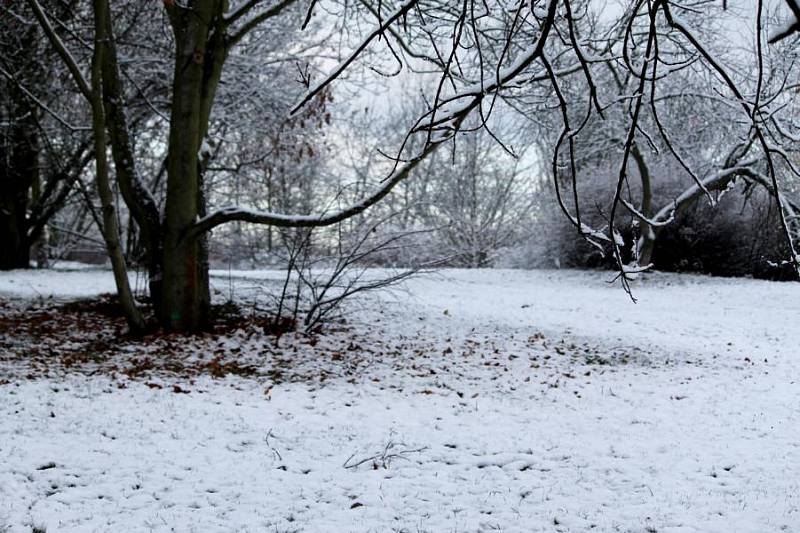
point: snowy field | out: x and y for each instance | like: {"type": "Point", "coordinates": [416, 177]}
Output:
{"type": "Point", "coordinates": [499, 401]}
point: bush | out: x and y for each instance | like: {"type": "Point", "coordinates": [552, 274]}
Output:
{"type": "Point", "coordinates": [740, 236]}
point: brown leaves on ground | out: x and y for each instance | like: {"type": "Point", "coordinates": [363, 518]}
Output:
{"type": "Point", "coordinates": [48, 339]}
{"type": "Point", "coordinates": [45, 339]}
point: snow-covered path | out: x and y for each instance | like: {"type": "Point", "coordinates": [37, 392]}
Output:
{"type": "Point", "coordinates": [679, 414]}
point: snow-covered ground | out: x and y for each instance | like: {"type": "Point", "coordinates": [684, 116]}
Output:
{"type": "Point", "coordinates": [511, 401]}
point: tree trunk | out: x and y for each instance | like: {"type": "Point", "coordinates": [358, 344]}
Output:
{"type": "Point", "coordinates": [648, 238]}
{"type": "Point", "coordinates": [19, 172]}
{"type": "Point", "coordinates": [648, 245]}
{"type": "Point", "coordinates": [19, 167]}
{"type": "Point", "coordinates": [184, 296]}
{"type": "Point", "coordinates": [110, 227]}
{"type": "Point", "coordinates": [14, 248]}
{"type": "Point", "coordinates": [183, 306]}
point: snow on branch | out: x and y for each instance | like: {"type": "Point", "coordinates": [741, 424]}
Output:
{"type": "Point", "coordinates": [341, 67]}
{"type": "Point", "coordinates": [451, 115]}
{"type": "Point", "coordinates": [61, 49]}
{"type": "Point", "coordinates": [255, 20]}
{"type": "Point", "coordinates": [791, 26]}
{"type": "Point", "coordinates": [245, 214]}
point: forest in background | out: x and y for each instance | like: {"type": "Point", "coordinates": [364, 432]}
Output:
{"type": "Point", "coordinates": [167, 137]}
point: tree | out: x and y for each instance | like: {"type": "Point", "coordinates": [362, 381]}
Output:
{"type": "Point", "coordinates": [41, 155]}
{"type": "Point", "coordinates": [512, 54]}
{"type": "Point", "coordinates": [650, 47]}
{"type": "Point", "coordinates": [693, 146]}
{"type": "Point", "coordinates": [481, 197]}
{"type": "Point", "coordinates": [177, 267]}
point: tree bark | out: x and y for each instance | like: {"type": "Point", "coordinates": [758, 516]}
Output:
{"type": "Point", "coordinates": [20, 169]}
{"type": "Point", "coordinates": [14, 247]}
{"type": "Point", "coordinates": [19, 153]}
{"type": "Point", "coordinates": [649, 233]}
{"type": "Point", "coordinates": [137, 197]}
{"type": "Point", "coordinates": [110, 227]}
{"type": "Point", "coordinates": [199, 56]}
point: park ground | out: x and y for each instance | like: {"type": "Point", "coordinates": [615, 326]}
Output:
{"type": "Point", "coordinates": [461, 401]}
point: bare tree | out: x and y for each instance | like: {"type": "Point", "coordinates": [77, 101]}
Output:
{"type": "Point", "coordinates": [481, 197]}
{"type": "Point", "coordinates": [514, 54]}
{"type": "Point", "coordinates": [43, 148]}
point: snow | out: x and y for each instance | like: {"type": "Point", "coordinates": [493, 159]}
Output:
{"type": "Point", "coordinates": [66, 283]}
{"type": "Point", "coordinates": [673, 312]}
{"type": "Point", "coordinates": [791, 25]}
{"type": "Point", "coordinates": [515, 401]}
{"type": "Point", "coordinates": [205, 150]}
